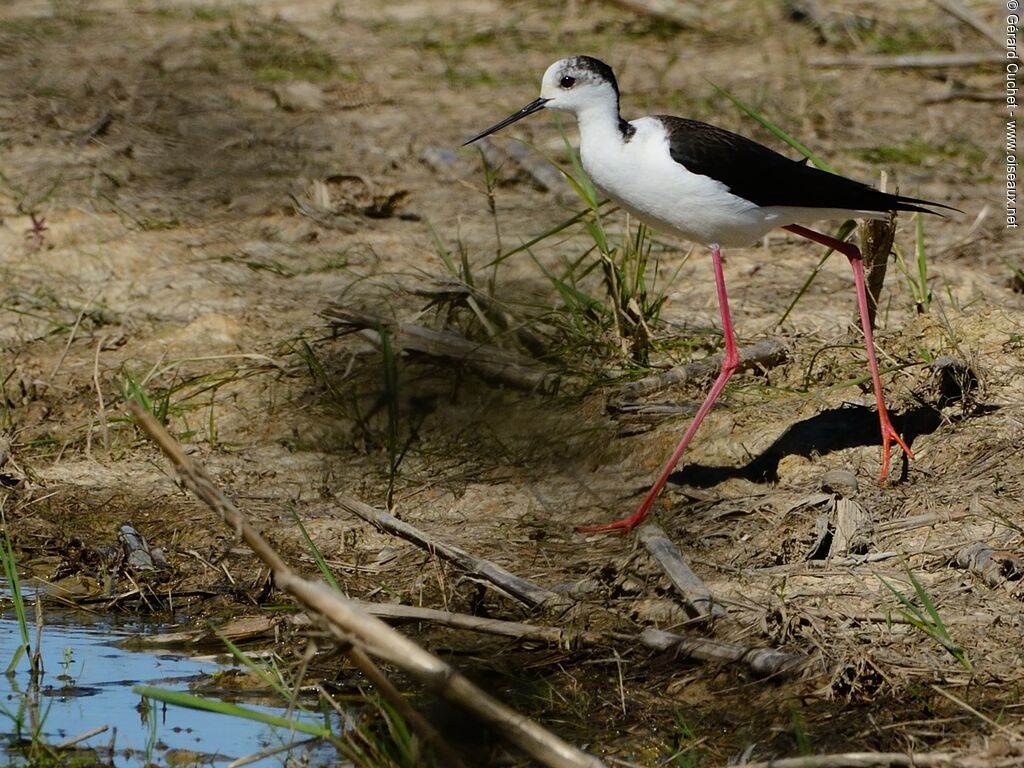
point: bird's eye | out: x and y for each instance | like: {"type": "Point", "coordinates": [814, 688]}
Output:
{"type": "Point", "coordinates": [567, 81]}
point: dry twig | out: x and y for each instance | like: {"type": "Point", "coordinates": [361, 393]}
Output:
{"type": "Point", "coordinates": [672, 11]}
{"type": "Point", "coordinates": [767, 353]}
{"type": "Point", "coordinates": [876, 238]}
{"type": "Point", "coordinates": [694, 647]}
{"type": "Point", "coordinates": [909, 60]}
{"type": "Point", "coordinates": [765, 661]}
{"type": "Point", "coordinates": [994, 566]}
{"type": "Point", "coordinates": [762, 661]}
{"type": "Point", "coordinates": [679, 572]}
{"type": "Point", "coordinates": [69, 743]}
{"type": "Point", "coordinates": [862, 760]}
{"type": "Point", "coordinates": [488, 361]}
{"type": "Point", "coordinates": [958, 10]}
{"type": "Point", "coordinates": [514, 586]}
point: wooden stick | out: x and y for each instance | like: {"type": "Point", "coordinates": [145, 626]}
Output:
{"type": "Point", "coordinates": [762, 661]}
{"type": "Point", "coordinates": [488, 361]}
{"type": "Point", "coordinates": [673, 11]}
{"type": "Point", "coordinates": [910, 60]}
{"type": "Point", "coordinates": [352, 625]}
{"type": "Point", "coordinates": [68, 743]}
{"type": "Point", "coordinates": [994, 566]}
{"type": "Point", "coordinates": [263, 754]}
{"type": "Point", "coordinates": [863, 760]}
{"type": "Point", "coordinates": [563, 638]}
{"type": "Point", "coordinates": [514, 586]}
{"type": "Point", "coordinates": [916, 521]}
{"type": "Point", "coordinates": [697, 647]}
{"type": "Point", "coordinates": [876, 238]}
{"type": "Point", "coordinates": [958, 10]}
{"type": "Point", "coordinates": [767, 353]}
{"type": "Point", "coordinates": [686, 582]}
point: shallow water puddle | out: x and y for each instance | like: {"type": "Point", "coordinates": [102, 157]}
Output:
{"type": "Point", "coordinates": [87, 684]}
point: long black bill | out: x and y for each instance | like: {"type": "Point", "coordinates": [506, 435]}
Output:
{"type": "Point", "coordinates": [529, 109]}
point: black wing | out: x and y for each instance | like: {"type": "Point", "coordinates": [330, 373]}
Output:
{"type": "Point", "coordinates": [764, 177]}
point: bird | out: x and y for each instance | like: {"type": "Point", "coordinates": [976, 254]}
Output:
{"type": "Point", "coordinates": [710, 186]}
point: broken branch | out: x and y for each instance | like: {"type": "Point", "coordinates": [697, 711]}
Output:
{"type": "Point", "coordinates": [514, 586]}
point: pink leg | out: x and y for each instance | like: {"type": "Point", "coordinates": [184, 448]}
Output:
{"type": "Point", "coordinates": [853, 254]}
{"type": "Point", "coordinates": [729, 364]}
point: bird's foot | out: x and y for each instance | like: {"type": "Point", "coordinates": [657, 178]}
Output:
{"type": "Point", "coordinates": [890, 436]}
{"type": "Point", "coordinates": [623, 526]}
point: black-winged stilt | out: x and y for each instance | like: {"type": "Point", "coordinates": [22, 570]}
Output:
{"type": "Point", "coordinates": [714, 187]}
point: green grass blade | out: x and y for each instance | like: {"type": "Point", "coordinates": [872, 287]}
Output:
{"type": "Point", "coordinates": [913, 613]}
{"type": "Point", "coordinates": [258, 671]}
{"type": "Point", "coordinates": [528, 244]}
{"type": "Point", "coordinates": [10, 567]}
{"type": "Point", "coordinates": [318, 556]}
{"type": "Point", "coordinates": [442, 252]}
{"type": "Point", "coordinates": [573, 297]}
{"type": "Point", "coordinates": [232, 710]}
{"type": "Point", "coordinates": [931, 625]}
{"type": "Point", "coordinates": [936, 620]}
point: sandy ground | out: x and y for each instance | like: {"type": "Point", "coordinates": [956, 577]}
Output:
{"type": "Point", "coordinates": [211, 176]}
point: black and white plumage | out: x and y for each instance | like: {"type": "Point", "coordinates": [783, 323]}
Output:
{"type": "Point", "coordinates": [766, 178]}
{"type": "Point", "coordinates": [711, 186]}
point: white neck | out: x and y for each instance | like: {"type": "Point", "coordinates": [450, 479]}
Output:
{"type": "Point", "coordinates": [599, 123]}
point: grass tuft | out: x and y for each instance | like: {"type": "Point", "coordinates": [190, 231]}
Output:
{"type": "Point", "coordinates": [927, 619]}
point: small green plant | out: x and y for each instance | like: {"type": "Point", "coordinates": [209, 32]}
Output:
{"type": "Point", "coordinates": [150, 715]}
{"type": "Point", "coordinates": [29, 717]}
{"type": "Point", "coordinates": [920, 286]}
{"type": "Point", "coordinates": [266, 672]}
{"type": "Point", "coordinates": [796, 723]}
{"type": "Point", "coordinates": [301, 347]}
{"type": "Point", "coordinates": [216, 706]}
{"type": "Point", "coordinates": [491, 175]}
{"type": "Point", "coordinates": [158, 403]}
{"type": "Point", "coordinates": [360, 743]}
{"type": "Point", "coordinates": [926, 619]}
{"type": "Point", "coordinates": [687, 745]}
{"type": "Point", "coordinates": [10, 568]}
{"type": "Point", "coordinates": [318, 556]}
{"type": "Point", "coordinates": [182, 393]}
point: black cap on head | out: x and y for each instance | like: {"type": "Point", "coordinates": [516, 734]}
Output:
{"type": "Point", "coordinates": [598, 67]}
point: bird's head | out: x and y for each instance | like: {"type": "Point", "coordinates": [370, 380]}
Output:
{"type": "Point", "coordinates": [578, 82]}
{"type": "Point", "coordinates": [572, 85]}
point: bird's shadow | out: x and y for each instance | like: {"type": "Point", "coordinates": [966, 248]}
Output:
{"type": "Point", "coordinates": [835, 429]}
